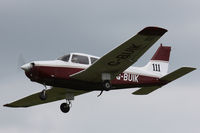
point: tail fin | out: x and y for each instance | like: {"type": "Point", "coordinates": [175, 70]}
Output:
{"type": "Point", "coordinates": [160, 61]}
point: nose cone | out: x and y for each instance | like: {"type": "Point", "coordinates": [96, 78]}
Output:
{"type": "Point", "coordinates": [26, 67]}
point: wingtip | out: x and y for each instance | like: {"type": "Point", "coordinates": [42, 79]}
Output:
{"type": "Point", "coordinates": [157, 31]}
{"type": "Point", "coordinates": [14, 106]}
{"type": "Point", "coordinates": [190, 68]}
{"type": "Point", "coordinates": [10, 105]}
{"type": "Point", "coordinates": [6, 105]}
{"type": "Point", "coordinates": [193, 68]}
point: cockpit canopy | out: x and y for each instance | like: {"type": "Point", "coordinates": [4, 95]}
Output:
{"type": "Point", "coordinates": [79, 58]}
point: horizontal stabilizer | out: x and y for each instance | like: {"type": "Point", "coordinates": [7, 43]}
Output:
{"type": "Point", "coordinates": [145, 90]}
{"type": "Point", "coordinates": [177, 74]}
{"type": "Point", "coordinates": [166, 79]}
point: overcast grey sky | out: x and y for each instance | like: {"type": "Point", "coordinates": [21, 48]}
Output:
{"type": "Point", "coordinates": [47, 29]}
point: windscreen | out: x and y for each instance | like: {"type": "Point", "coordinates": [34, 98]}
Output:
{"type": "Point", "coordinates": [64, 58]}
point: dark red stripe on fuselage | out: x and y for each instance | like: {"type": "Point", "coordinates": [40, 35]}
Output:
{"type": "Point", "coordinates": [60, 77]}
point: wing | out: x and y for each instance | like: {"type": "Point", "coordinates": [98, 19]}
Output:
{"type": "Point", "coordinates": [53, 94]}
{"type": "Point", "coordinates": [119, 59]}
{"type": "Point", "coordinates": [166, 79]}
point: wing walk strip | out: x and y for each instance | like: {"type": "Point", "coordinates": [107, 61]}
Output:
{"type": "Point", "coordinates": [168, 78]}
{"type": "Point", "coordinates": [122, 57]}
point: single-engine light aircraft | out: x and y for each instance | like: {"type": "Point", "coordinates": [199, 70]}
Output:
{"type": "Point", "coordinates": [75, 73]}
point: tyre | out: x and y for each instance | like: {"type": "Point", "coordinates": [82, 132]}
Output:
{"type": "Point", "coordinates": [43, 95]}
{"type": "Point", "coordinates": [106, 85]}
{"type": "Point", "coordinates": [64, 107]}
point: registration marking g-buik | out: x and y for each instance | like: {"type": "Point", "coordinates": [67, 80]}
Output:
{"type": "Point", "coordinates": [128, 77]}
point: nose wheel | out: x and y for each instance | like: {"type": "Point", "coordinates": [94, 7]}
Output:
{"type": "Point", "coordinates": [65, 107]}
{"type": "Point", "coordinates": [43, 95]}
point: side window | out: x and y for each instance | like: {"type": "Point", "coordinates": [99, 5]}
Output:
{"type": "Point", "coordinates": [80, 59]}
{"type": "Point", "coordinates": [93, 60]}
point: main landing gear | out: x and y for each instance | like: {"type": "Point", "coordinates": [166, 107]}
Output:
{"type": "Point", "coordinates": [106, 86]}
{"type": "Point", "coordinates": [65, 107]}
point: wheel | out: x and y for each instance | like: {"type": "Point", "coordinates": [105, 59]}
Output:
{"type": "Point", "coordinates": [43, 95]}
{"type": "Point", "coordinates": [64, 107]}
{"type": "Point", "coordinates": [106, 85]}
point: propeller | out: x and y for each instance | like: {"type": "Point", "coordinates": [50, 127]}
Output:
{"type": "Point", "coordinates": [22, 64]}
{"type": "Point", "coordinates": [21, 61]}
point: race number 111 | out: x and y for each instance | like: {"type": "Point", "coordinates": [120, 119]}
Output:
{"type": "Point", "coordinates": [156, 67]}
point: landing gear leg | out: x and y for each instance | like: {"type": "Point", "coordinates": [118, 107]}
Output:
{"type": "Point", "coordinates": [106, 86]}
{"type": "Point", "coordinates": [43, 95]}
{"type": "Point", "coordinates": [100, 93]}
{"type": "Point", "coordinates": [65, 107]}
